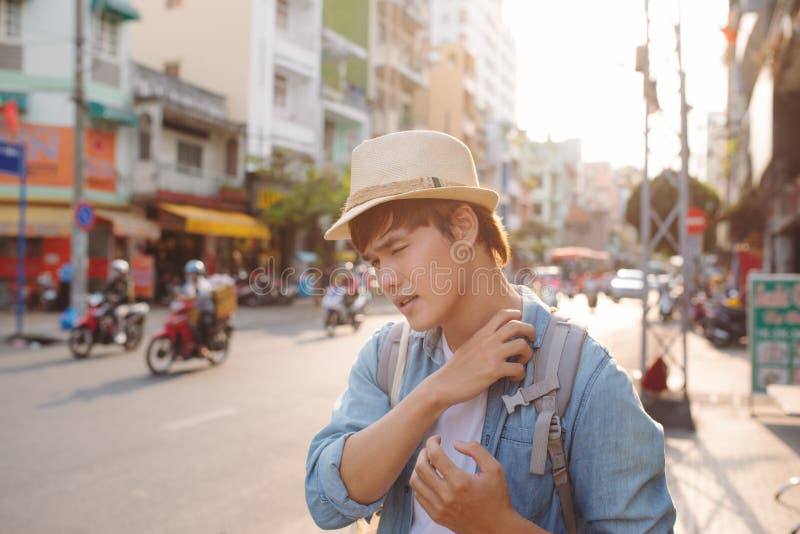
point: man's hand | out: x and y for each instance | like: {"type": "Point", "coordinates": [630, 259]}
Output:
{"type": "Point", "coordinates": [485, 358]}
{"type": "Point", "coordinates": [465, 502]}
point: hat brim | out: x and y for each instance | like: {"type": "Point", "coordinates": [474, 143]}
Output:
{"type": "Point", "coordinates": [475, 195]}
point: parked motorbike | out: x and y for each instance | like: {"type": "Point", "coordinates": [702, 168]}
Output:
{"type": "Point", "coordinates": [177, 340]}
{"type": "Point", "coordinates": [725, 325]}
{"type": "Point", "coordinates": [263, 290]}
{"type": "Point", "coordinates": [99, 327]}
{"type": "Point", "coordinates": [342, 308]}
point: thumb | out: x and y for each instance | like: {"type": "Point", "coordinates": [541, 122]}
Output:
{"type": "Point", "coordinates": [474, 450]}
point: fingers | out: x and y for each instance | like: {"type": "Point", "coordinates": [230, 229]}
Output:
{"type": "Point", "coordinates": [486, 462]}
{"type": "Point", "coordinates": [439, 460]}
{"type": "Point", "coordinates": [500, 318]}
{"type": "Point", "coordinates": [514, 328]}
{"type": "Point", "coordinates": [426, 472]}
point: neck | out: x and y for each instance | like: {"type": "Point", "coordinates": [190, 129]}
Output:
{"type": "Point", "coordinates": [477, 305]}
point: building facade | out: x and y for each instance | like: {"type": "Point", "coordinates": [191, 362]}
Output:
{"type": "Point", "coordinates": [39, 74]}
{"type": "Point", "coordinates": [265, 58]}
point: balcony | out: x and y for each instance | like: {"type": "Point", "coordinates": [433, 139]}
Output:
{"type": "Point", "coordinates": [294, 135]}
{"type": "Point", "coordinates": [149, 84]}
{"type": "Point", "coordinates": [409, 68]}
{"type": "Point", "coordinates": [348, 104]}
{"type": "Point", "coordinates": [150, 179]}
{"type": "Point", "coordinates": [295, 56]}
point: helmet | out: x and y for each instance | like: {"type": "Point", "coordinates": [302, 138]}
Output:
{"type": "Point", "coordinates": [195, 266]}
{"type": "Point", "coordinates": [120, 267]}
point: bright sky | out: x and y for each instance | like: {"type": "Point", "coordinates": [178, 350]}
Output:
{"type": "Point", "coordinates": [576, 77]}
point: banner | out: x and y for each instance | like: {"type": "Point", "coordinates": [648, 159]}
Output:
{"type": "Point", "coordinates": [773, 305]}
{"type": "Point", "coordinates": [50, 151]}
{"type": "Point", "coordinates": [143, 275]}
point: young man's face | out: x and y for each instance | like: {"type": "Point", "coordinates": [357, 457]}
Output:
{"type": "Point", "coordinates": [416, 271]}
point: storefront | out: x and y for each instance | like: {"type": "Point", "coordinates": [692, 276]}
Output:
{"type": "Point", "coordinates": [220, 238]}
{"type": "Point", "coordinates": [116, 234]}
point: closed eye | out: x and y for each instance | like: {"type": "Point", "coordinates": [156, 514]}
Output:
{"type": "Point", "coordinates": [399, 249]}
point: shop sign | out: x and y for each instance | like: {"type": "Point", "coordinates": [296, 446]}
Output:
{"type": "Point", "coordinates": [774, 329]}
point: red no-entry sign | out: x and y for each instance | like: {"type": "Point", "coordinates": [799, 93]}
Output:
{"type": "Point", "coordinates": [696, 221]}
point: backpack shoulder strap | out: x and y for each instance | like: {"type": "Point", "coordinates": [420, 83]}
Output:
{"type": "Point", "coordinates": [556, 366]}
{"type": "Point", "coordinates": [391, 359]}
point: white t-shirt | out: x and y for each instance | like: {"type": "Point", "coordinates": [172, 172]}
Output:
{"type": "Point", "coordinates": [460, 422]}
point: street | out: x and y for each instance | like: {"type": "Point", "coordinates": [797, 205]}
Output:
{"type": "Point", "coordinates": [101, 446]}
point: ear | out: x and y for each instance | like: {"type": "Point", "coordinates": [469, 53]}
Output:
{"type": "Point", "coordinates": [464, 224]}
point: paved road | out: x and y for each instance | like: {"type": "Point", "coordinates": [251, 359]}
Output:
{"type": "Point", "coordinates": [101, 446]}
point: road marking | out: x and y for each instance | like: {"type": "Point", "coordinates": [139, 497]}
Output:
{"type": "Point", "coordinates": [199, 419]}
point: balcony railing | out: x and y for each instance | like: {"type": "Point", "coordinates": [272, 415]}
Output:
{"type": "Point", "coordinates": [348, 97]}
{"type": "Point", "coordinates": [178, 178]}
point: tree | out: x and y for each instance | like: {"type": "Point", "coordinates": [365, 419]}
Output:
{"type": "Point", "coordinates": [663, 197]}
{"type": "Point", "coordinates": [306, 203]}
{"type": "Point", "coordinates": [529, 237]}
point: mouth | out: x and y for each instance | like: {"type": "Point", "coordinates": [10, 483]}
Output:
{"type": "Point", "coordinates": [404, 303]}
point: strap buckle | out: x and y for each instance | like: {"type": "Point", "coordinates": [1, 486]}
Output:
{"type": "Point", "coordinates": [512, 401]}
{"type": "Point", "coordinates": [555, 427]}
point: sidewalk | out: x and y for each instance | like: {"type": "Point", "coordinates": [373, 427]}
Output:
{"type": "Point", "coordinates": [723, 478]}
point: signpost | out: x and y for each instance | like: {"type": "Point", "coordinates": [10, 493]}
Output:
{"type": "Point", "coordinates": [773, 304]}
{"type": "Point", "coordinates": [696, 221]}
{"type": "Point", "coordinates": [12, 161]}
{"type": "Point", "coordinates": [84, 216]}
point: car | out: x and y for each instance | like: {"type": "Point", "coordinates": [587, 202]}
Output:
{"type": "Point", "coordinates": [547, 283]}
{"type": "Point", "coordinates": [627, 283]}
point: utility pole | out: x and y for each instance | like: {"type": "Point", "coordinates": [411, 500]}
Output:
{"type": "Point", "coordinates": [78, 253]}
{"type": "Point", "coordinates": [665, 407]}
{"type": "Point", "coordinates": [683, 201]}
{"type": "Point", "coordinates": [644, 201]}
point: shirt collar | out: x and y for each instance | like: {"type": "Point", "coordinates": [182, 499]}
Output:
{"type": "Point", "coordinates": [534, 312]}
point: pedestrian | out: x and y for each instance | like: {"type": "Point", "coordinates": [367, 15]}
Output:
{"type": "Point", "coordinates": [448, 456]}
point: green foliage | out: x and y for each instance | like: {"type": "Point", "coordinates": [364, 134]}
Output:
{"type": "Point", "coordinates": [320, 194]}
{"type": "Point", "coordinates": [664, 196]}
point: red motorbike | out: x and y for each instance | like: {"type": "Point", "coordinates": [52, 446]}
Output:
{"type": "Point", "coordinates": [99, 327]}
{"type": "Point", "coordinates": [177, 340]}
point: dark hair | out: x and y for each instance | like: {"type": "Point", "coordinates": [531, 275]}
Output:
{"type": "Point", "coordinates": [413, 213]}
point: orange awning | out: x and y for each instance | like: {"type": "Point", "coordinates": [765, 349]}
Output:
{"type": "Point", "coordinates": [206, 221]}
{"type": "Point", "coordinates": [124, 223]}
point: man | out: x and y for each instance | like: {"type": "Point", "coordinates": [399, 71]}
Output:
{"type": "Point", "coordinates": [197, 287]}
{"type": "Point", "coordinates": [118, 293]}
{"type": "Point", "coordinates": [448, 457]}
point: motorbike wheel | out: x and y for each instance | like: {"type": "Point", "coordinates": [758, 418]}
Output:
{"type": "Point", "coordinates": [218, 346]}
{"type": "Point", "coordinates": [331, 320]}
{"type": "Point", "coordinates": [160, 355]}
{"type": "Point", "coordinates": [134, 332]}
{"type": "Point", "coordinates": [80, 342]}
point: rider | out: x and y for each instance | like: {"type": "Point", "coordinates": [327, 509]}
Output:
{"type": "Point", "coordinates": [198, 287]}
{"type": "Point", "coordinates": [118, 292]}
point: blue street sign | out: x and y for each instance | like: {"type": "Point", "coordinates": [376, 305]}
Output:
{"type": "Point", "coordinates": [12, 161]}
{"type": "Point", "coordinates": [12, 157]}
{"type": "Point", "coordinates": [84, 216]}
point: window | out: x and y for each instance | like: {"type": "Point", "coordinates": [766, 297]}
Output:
{"type": "Point", "coordinates": [232, 157]}
{"type": "Point", "coordinates": [190, 157]}
{"type": "Point", "coordinates": [280, 91]}
{"type": "Point", "coordinates": [537, 209]}
{"type": "Point", "coordinates": [105, 34]}
{"type": "Point", "coordinates": [171, 4]}
{"type": "Point", "coordinates": [282, 15]}
{"type": "Point", "coordinates": [10, 20]}
{"type": "Point", "coordinates": [144, 138]}
{"type": "Point", "coordinates": [172, 68]}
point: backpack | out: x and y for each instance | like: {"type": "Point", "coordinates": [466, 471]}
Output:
{"type": "Point", "coordinates": [555, 365]}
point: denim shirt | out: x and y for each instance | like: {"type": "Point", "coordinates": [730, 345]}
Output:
{"type": "Point", "coordinates": [614, 449]}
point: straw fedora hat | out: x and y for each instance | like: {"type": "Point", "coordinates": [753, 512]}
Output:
{"type": "Point", "coordinates": [411, 164]}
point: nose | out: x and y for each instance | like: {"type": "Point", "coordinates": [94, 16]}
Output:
{"type": "Point", "coordinates": [388, 280]}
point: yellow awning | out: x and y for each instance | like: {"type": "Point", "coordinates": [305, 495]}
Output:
{"type": "Point", "coordinates": [40, 221]}
{"type": "Point", "coordinates": [217, 222]}
{"type": "Point", "coordinates": [129, 224]}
